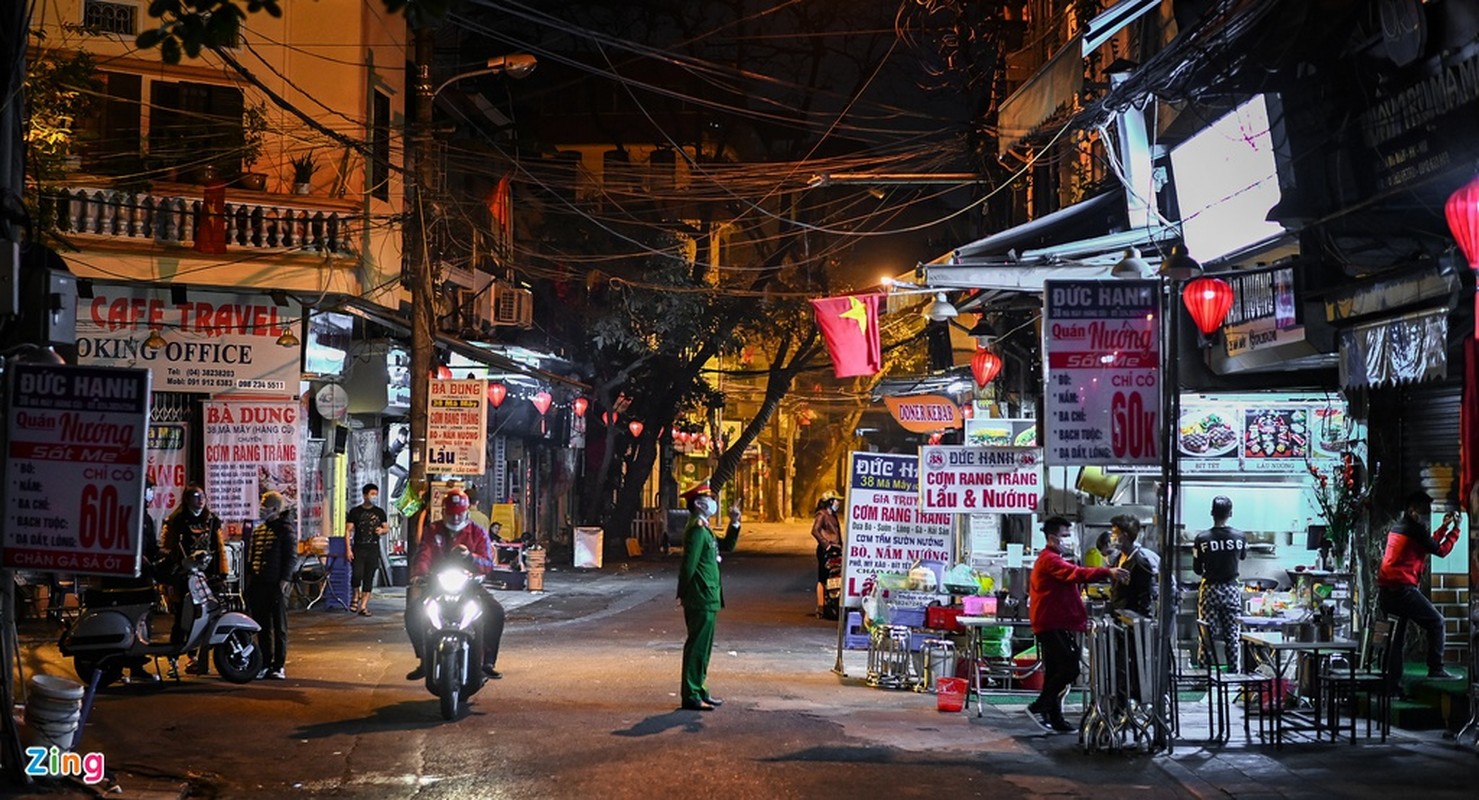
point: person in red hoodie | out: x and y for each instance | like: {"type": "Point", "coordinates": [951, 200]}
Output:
{"type": "Point", "coordinates": [1408, 548]}
{"type": "Point", "coordinates": [1058, 615]}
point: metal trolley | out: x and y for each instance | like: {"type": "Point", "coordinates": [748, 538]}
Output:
{"type": "Point", "coordinates": [890, 663]}
{"type": "Point", "coordinates": [1123, 683]}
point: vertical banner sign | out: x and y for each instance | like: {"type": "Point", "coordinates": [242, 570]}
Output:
{"type": "Point", "coordinates": [251, 447]}
{"type": "Point", "coordinates": [969, 480]}
{"type": "Point", "coordinates": [167, 453]}
{"type": "Point", "coordinates": [457, 427]}
{"type": "Point", "coordinates": [1102, 386]}
{"type": "Point", "coordinates": [74, 468]}
{"type": "Point", "coordinates": [885, 530]}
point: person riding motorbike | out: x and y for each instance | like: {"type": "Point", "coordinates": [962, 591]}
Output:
{"type": "Point", "coordinates": [192, 526]}
{"type": "Point", "coordinates": [454, 538]}
{"type": "Point", "coordinates": [828, 533]}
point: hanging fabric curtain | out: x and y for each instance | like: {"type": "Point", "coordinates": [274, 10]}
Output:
{"type": "Point", "coordinates": [1407, 349]}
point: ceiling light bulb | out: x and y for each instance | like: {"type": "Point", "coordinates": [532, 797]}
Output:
{"type": "Point", "coordinates": [940, 310]}
{"type": "Point", "coordinates": [288, 339]}
{"type": "Point", "coordinates": [155, 340]}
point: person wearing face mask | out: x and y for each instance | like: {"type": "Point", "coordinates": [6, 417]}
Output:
{"type": "Point", "coordinates": [702, 595]}
{"type": "Point", "coordinates": [1402, 563]}
{"type": "Point", "coordinates": [455, 538]}
{"type": "Point", "coordinates": [271, 550]}
{"type": "Point", "coordinates": [828, 532]}
{"type": "Point", "coordinates": [363, 526]}
{"type": "Point", "coordinates": [148, 557]}
{"type": "Point", "coordinates": [1058, 616]}
{"type": "Point", "coordinates": [192, 527]}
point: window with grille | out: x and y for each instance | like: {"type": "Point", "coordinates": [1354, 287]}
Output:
{"type": "Point", "coordinates": [102, 17]}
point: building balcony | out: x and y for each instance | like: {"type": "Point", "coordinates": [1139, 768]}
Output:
{"type": "Point", "coordinates": [170, 215]}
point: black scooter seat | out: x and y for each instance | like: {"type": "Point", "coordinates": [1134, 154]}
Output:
{"type": "Point", "coordinates": [110, 598]}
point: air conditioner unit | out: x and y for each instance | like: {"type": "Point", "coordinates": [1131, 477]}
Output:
{"type": "Point", "coordinates": [464, 298]}
{"type": "Point", "coordinates": [509, 305]}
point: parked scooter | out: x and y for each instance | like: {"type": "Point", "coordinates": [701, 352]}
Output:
{"type": "Point", "coordinates": [832, 590]}
{"type": "Point", "coordinates": [113, 631]}
{"type": "Point", "coordinates": [452, 638]}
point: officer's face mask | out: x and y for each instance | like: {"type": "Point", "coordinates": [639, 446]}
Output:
{"type": "Point", "coordinates": [707, 506]}
{"type": "Point", "coordinates": [1067, 543]}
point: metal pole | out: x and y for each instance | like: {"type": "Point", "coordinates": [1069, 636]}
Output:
{"type": "Point", "coordinates": [1165, 648]}
{"type": "Point", "coordinates": [418, 261]}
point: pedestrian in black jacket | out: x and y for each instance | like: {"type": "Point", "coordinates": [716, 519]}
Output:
{"type": "Point", "coordinates": [271, 550]}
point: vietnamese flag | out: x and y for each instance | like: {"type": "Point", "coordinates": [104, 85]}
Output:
{"type": "Point", "coordinates": [850, 326]}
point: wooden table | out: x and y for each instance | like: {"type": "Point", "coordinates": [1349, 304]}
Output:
{"type": "Point", "coordinates": [1276, 646]}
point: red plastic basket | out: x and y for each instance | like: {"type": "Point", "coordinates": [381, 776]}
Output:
{"type": "Point", "coordinates": [950, 693]}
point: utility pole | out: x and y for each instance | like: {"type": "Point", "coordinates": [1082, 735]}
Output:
{"type": "Point", "coordinates": [418, 255]}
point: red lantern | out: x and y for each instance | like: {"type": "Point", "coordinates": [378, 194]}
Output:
{"type": "Point", "coordinates": [985, 365]}
{"type": "Point", "coordinates": [496, 393]}
{"type": "Point", "coordinates": [935, 437]}
{"type": "Point", "coordinates": [1462, 210]}
{"type": "Point", "coordinates": [541, 402]}
{"type": "Point", "coordinates": [579, 405]}
{"type": "Point", "coordinates": [606, 418]}
{"type": "Point", "coordinates": [661, 431]}
{"type": "Point", "coordinates": [680, 437]}
{"type": "Point", "coordinates": [968, 411]}
{"type": "Point", "coordinates": [703, 441]}
{"type": "Point", "coordinates": [443, 372]}
{"type": "Point", "coordinates": [1208, 300]}
{"type": "Point", "coordinates": [635, 426]}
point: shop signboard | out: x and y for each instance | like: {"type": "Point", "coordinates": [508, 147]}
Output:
{"type": "Point", "coordinates": [1275, 434]}
{"type": "Point", "coordinates": [251, 447]}
{"type": "Point", "coordinates": [167, 453]}
{"type": "Point", "coordinates": [1102, 395]}
{"type": "Point", "coordinates": [214, 342]}
{"type": "Point", "coordinates": [990, 480]}
{"type": "Point", "coordinates": [884, 529]}
{"type": "Point", "coordinates": [986, 432]}
{"type": "Point", "coordinates": [457, 427]}
{"type": "Point", "coordinates": [75, 468]}
{"type": "Point", "coordinates": [1263, 312]}
{"type": "Point", "coordinates": [924, 413]}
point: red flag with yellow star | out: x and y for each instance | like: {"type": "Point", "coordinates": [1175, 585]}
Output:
{"type": "Point", "coordinates": [850, 326]}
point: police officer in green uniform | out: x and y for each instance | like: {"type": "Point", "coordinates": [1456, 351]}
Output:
{"type": "Point", "coordinates": [702, 596]}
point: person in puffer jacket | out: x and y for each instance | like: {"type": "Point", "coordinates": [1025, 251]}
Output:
{"type": "Point", "coordinates": [1057, 613]}
{"type": "Point", "coordinates": [1402, 565]}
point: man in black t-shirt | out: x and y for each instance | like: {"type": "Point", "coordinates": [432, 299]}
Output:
{"type": "Point", "coordinates": [364, 525]}
{"type": "Point", "coordinates": [1215, 556]}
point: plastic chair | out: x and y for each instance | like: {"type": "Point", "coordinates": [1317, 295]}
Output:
{"type": "Point", "coordinates": [1222, 685]}
{"type": "Point", "coordinates": [1369, 678]}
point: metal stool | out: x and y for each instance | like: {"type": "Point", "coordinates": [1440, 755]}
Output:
{"type": "Point", "coordinates": [889, 663]}
{"type": "Point", "coordinates": [938, 656]}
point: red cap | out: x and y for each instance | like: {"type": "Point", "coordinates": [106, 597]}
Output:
{"type": "Point", "coordinates": [698, 489]}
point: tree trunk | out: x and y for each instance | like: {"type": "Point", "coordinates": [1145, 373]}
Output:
{"type": "Point", "coordinates": [777, 385]}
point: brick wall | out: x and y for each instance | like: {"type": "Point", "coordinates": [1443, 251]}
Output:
{"type": "Point", "coordinates": [1450, 595]}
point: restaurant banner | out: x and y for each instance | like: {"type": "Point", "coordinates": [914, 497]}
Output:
{"type": "Point", "coordinates": [213, 343]}
{"type": "Point", "coordinates": [457, 427]}
{"type": "Point", "coordinates": [167, 453]}
{"type": "Point", "coordinates": [1102, 393]}
{"type": "Point", "coordinates": [925, 413]}
{"type": "Point", "coordinates": [1266, 435]}
{"type": "Point", "coordinates": [74, 468]}
{"type": "Point", "coordinates": [1264, 312]}
{"type": "Point", "coordinates": [884, 529]}
{"type": "Point", "coordinates": [251, 447]}
{"type": "Point", "coordinates": [990, 480]}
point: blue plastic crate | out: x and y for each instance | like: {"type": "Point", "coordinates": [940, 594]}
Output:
{"type": "Point", "coordinates": [913, 617]}
{"type": "Point", "coordinates": [855, 637]}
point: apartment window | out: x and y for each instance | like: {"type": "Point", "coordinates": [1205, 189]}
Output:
{"type": "Point", "coordinates": [195, 124]}
{"type": "Point", "coordinates": [380, 146]}
{"type": "Point", "coordinates": [102, 17]}
{"type": "Point", "coordinates": [108, 137]}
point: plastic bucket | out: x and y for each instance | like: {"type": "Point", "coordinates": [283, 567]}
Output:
{"type": "Point", "coordinates": [53, 709]}
{"type": "Point", "coordinates": [1033, 681]}
{"type": "Point", "coordinates": [951, 694]}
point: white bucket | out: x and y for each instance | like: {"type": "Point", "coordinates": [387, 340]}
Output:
{"type": "Point", "coordinates": [53, 710]}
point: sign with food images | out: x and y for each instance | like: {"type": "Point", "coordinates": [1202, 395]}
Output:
{"type": "Point", "coordinates": [1208, 438]}
{"type": "Point", "coordinates": [1273, 435]}
{"type": "Point", "coordinates": [1001, 432]}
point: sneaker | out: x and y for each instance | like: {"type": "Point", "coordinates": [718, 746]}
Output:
{"type": "Point", "coordinates": [1441, 674]}
{"type": "Point", "coordinates": [196, 668]}
{"type": "Point", "coordinates": [1061, 725]}
{"type": "Point", "coordinates": [278, 674]}
{"type": "Point", "coordinates": [1040, 719]}
{"type": "Point", "coordinates": [261, 674]}
{"type": "Point", "coordinates": [416, 674]}
{"type": "Point", "coordinates": [492, 674]}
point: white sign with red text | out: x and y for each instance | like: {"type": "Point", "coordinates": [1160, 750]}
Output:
{"type": "Point", "coordinates": [1102, 387]}
{"type": "Point", "coordinates": [884, 529]}
{"type": "Point", "coordinates": [457, 427]}
{"type": "Point", "coordinates": [251, 447]}
{"type": "Point", "coordinates": [213, 343]}
{"type": "Point", "coordinates": [74, 468]}
{"type": "Point", "coordinates": [167, 456]}
{"type": "Point", "coordinates": [974, 480]}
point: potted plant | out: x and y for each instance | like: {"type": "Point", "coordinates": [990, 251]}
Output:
{"type": "Point", "coordinates": [303, 169]}
{"type": "Point", "coordinates": [253, 126]}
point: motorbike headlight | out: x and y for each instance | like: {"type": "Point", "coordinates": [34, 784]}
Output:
{"type": "Point", "coordinates": [434, 615]}
{"type": "Point", "coordinates": [452, 580]}
{"type": "Point", "coordinates": [469, 613]}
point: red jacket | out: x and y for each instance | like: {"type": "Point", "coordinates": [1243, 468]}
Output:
{"type": "Point", "coordinates": [438, 542]}
{"type": "Point", "coordinates": [1408, 546]}
{"type": "Point", "coordinates": [1053, 601]}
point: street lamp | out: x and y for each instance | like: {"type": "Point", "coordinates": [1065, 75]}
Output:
{"type": "Point", "coordinates": [423, 171]}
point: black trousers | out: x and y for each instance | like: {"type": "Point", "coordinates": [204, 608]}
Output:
{"type": "Point", "coordinates": [1059, 653]}
{"type": "Point", "coordinates": [269, 607]}
{"type": "Point", "coordinates": [493, 620]}
{"type": "Point", "coordinates": [1408, 603]}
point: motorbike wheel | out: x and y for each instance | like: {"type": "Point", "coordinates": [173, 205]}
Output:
{"type": "Point", "coordinates": [450, 689]}
{"type": "Point", "coordinates": [85, 667]}
{"type": "Point", "coordinates": [239, 659]}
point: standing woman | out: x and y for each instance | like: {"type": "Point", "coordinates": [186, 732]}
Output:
{"type": "Point", "coordinates": [828, 533]}
{"type": "Point", "coordinates": [702, 596]}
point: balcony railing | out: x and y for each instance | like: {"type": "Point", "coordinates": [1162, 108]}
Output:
{"type": "Point", "coordinates": [173, 219]}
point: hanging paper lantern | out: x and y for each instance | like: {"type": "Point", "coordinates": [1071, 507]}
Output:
{"type": "Point", "coordinates": [1208, 300]}
{"type": "Point", "coordinates": [541, 402]}
{"type": "Point", "coordinates": [635, 426]}
{"type": "Point", "coordinates": [703, 441]}
{"type": "Point", "coordinates": [579, 405]}
{"type": "Point", "coordinates": [985, 365]}
{"type": "Point", "coordinates": [968, 411]}
{"type": "Point", "coordinates": [496, 393]}
{"type": "Point", "coordinates": [935, 437]}
{"type": "Point", "coordinates": [1462, 211]}
{"type": "Point", "coordinates": [443, 372]}
{"type": "Point", "coordinates": [661, 431]}
{"type": "Point", "coordinates": [606, 418]}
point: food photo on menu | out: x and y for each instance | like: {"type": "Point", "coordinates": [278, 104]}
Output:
{"type": "Point", "coordinates": [1276, 433]}
{"type": "Point", "coordinates": [1207, 434]}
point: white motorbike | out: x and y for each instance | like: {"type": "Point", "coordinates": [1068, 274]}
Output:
{"type": "Point", "coordinates": [452, 639]}
{"type": "Point", "coordinates": [113, 631]}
